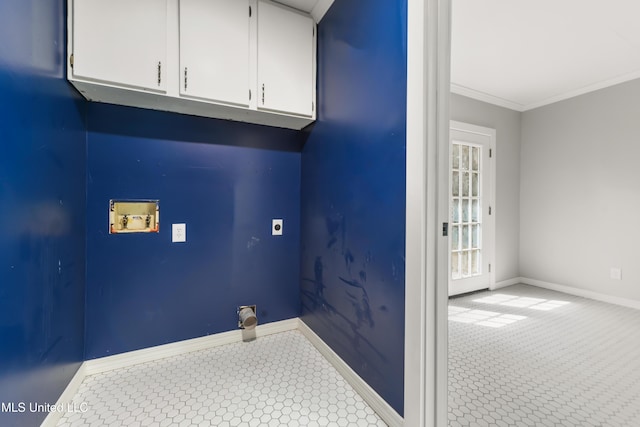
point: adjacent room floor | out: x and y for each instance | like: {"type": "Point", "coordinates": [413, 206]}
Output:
{"type": "Point", "coordinates": [524, 356]}
{"type": "Point", "coordinates": [277, 380]}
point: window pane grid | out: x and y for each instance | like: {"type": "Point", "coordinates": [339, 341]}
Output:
{"type": "Point", "coordinates": [465, 215]}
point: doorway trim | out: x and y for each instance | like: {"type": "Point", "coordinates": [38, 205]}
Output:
{"type": "Point", "coordinates": [427, 151]}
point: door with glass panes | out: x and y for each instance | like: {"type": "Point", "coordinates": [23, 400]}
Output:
{"type": "Point", "coordinates": [471, 210]}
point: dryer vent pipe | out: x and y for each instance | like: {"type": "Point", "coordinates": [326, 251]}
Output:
{"type": "Point", "coordinates": [247, 317]}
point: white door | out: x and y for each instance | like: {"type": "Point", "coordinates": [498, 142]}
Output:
{"type": "Point", "coordinates": [471, 221]}
{"type": "Point", "coordinates": [214, 50]}
{"type": "Point", "coordinates": [285, 60]}
{"type": "Point", "coordinates": [122, 42]}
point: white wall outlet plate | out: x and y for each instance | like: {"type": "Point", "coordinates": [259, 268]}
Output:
{"type": "Point", "coordinates": [276, 227]}
{"type": "Point", "coordinates": [616, 273]}
{"type": "Point", "coordinates": [178, 233]}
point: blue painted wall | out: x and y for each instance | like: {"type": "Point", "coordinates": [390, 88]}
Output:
{"type": "Point", "coordinates": [353, 192]}
{"type": "Point", "coordinates": [42, 210]}
{"type": "Point", "coordinates": [226, 181]}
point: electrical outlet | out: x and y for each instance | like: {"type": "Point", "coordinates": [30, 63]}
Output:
{"type": "Point", "coordinates": [616, 273]}
{"type": "Point", "coordinates": [276, 227]}
{"type": "Point", "coordinates": [178, 233]}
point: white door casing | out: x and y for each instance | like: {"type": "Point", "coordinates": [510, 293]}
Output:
{"type": "Point", "coordinates": [426, 326]}
{"type": "Point", "coordinates": [472, 208]}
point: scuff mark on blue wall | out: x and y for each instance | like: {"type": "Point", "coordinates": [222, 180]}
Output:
{"type": "Point", "coordinates": [353, 193]}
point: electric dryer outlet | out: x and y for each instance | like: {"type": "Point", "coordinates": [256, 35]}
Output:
{"type": "Point", "coordinates": [276, 227]}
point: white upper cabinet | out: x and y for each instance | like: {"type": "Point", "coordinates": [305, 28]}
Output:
{"type": "Point", "coordinates": [121, 41]}
{"type": "Point", "coordinates": [244, 60]}
{"type": "Point", "coordinates": [286, 50]}
{"type": "Point", "coordinates": [214, 50]}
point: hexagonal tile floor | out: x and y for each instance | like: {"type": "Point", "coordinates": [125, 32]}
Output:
{"type": "Point", "coordinates": [525, 356]}
{"type": "Point", "coordinates": [277, 380]}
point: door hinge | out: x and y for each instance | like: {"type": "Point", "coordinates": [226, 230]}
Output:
{"type": "Point", "coordinates": [445, 229]}
{"type": "Point", "coordinates": [249, 11]}
{"type": "Point", "coordinates": [490, 153]}
{"type": "Point", "coordinates": [249, 94]}
{"type": "Point", "coordinates": [489, 268]}
{"type": "Point", "coordinates": [71, 60]}
{"type": "Point", "coordinates": [159, 73]}
{"type": "Point", "coordinates": [312, 106]}
{"type": "Point", "coordinates": [263, 94]}
{"type": "Point", "coordinates": [489, 210]}
{"type": "Point", "coordinates": [185, 78]}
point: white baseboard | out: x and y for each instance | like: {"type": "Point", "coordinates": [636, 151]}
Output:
{"type": "Point", "coordinates": [66, 397]}
{"type": "Point", "coordinates": [104, 364]}
{"type": "Point", "coordinates": [625, 302]}
{"type": "Point", "coordinates": [505, 283]}
{"type": "Point", "coordinates": [377, 403]}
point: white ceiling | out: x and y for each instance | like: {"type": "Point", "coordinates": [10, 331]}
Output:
{"type": "Point", "coordinates": [315, 8]}
{"type": "Point", "coordinates": [523, 54]}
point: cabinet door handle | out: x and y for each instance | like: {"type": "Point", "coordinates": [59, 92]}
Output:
{"type": "Point", "coordinates": [185, 78]}
{"type": "Point", "coordinates": [159, 73]}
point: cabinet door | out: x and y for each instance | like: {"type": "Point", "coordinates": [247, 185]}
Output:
{"type": "Point", "coordinates": [214, 50]}
{"type": "Point", "coordinates": [285, 60]}
{"type": "Point", "coordinates": [122, 42]}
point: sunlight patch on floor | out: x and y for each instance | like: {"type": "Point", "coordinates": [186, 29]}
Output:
{"type": "Point", "coordinates": [522, 302]}
{"type": "Point", "coordinates": [492, 319]}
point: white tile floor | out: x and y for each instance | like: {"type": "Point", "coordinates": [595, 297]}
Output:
{"type": "Point", "coordinates": [524, 356]}
{"type": "Point", "coordinates": [519, 356]}
{"type": "Point", "coordinates": [277, 380]}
